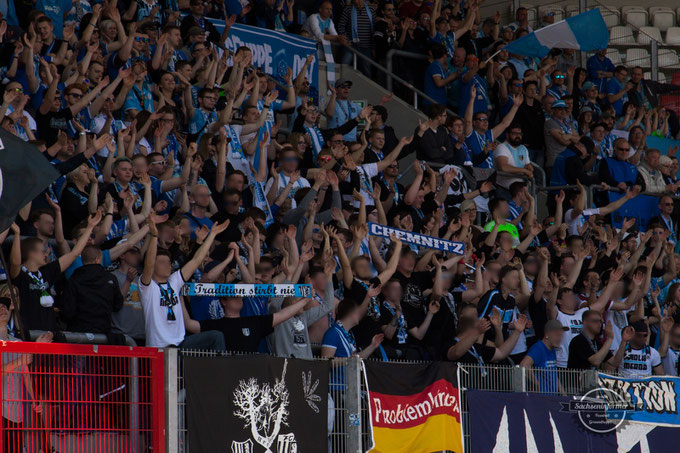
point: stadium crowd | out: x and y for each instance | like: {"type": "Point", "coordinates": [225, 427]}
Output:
{"type": "Point", "coordinates": [175, 169]}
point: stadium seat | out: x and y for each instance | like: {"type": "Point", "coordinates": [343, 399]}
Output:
{"type": "Point", "coordinates": [531, 15]}
{"type": "Point", "coordinates": [572, 10]}
{"type": "Point", "coordinates": [662, 77]}
{"type": "Point", "coordinates": [670, 102]}
{"type": "Point", "coordinates": [668, 59]}
{"type": "Point", "coordinates": [636, 17]}
{"type": "Point", "coordinates": [675, 78]}
{"type": "Point", "coordinates": [649, 34]}
{"type": "Point", "coordinates": [673, 36]}
{"type": "Point", "coordinates": [663, 19]}
{"type": "Point", "coordinates": [638, 57]}
{"type": "Point", "coordinates": [611, 15]}
{"type": "Point", "coordinates": [621, 34]}
{"type": "Point", "coordinates": [614, 55]}
{"type": "Point", "coordinates": [557, 10]}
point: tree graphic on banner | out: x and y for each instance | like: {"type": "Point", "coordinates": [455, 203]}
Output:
{"type": "Point", "coordinates": [263, 407]}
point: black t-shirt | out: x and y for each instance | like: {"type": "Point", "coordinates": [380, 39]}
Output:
{"type": "Point", "coordinates": [73, 204]}
{"type": "Point", "coordinates": [51, 123]}
{"type": "Point", "coordinates": [241, 334]}
{"type": "Point", "coordinates": [400, 337]}
{"type": "Point", "coordinates": [580, 349]}
{"type": "Point", "coordinates": [413, 303]}
{"type": "Point", "coordinates": [370, 323]}
{"type": "Point", "coordinates": [538, 314]}
{"type": "Point", "coordinates": [51, 48]}
{"type": "Point", "coordinates": [507, 307]}
{"type": "Point", "coordinates": [34, 316]}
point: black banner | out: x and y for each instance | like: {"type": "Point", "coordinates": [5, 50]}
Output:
{"type": "Point", "coordinates": [256, 404]}
{"type": "Point", "coordinates": [24, 174]}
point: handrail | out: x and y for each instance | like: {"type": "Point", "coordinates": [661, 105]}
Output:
{"type": "Point", "coordinates": [408, 85]}
{"type": "Point", "coordinates": [402, 53]}
{"type": "Point", "coordinates": [83, 337]}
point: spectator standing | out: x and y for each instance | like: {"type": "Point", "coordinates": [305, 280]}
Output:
{"type": "Point", "coordinates": [543, 359]}
{"type": "Point", "coordinates": [340, 109]}
{"type": "Point", "coordinates": [91, 296]}
{"type": "Point", "coordinates": [618, 89]}
{"type": "Point", "coordinates": [669, 349]}
{"type": "Point", "coordinates": [600, 69]}
{"type": "Point", "coordinates": [639, 359]}
{"type": "Point", "coordinates": [587, 352]}
{"type": "Point", "coordinates": [558, 134]}
{"type": "Point", "coordinates": [320, 25]}
{"type": "Point", "coordinates": [438, 77]}
{"type": "Point", "coordinates": [357, 23]}
{"type": "Point", "coordinates": [512, 156]}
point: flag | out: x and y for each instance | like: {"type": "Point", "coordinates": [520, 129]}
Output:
{"type": "Point", "coordinates": [24, 174]}
{"type": "Point", "coordinates": [522, 422]}
{"type": "Point", "coordinates": [414, 408]}
{"type": "Point", "coordinates": [256, 404]}
{"type": "Point", "coordinates": [585, 32]}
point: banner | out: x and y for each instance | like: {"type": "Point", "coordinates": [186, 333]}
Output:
{"type": "Point", "coordinates": [649, 400]}
{"type": "Point", "coordinates": [422, 240]}
{"type": "Point", "coordinates": [531, 422]}
{"type": "Point", "coordinates": [643, 208]}
{"type": "Point", "coordinates": [275, 51]}
{"type": "Point", "coordinates": [246, 290]}
{"type": "Point", "coordinates": [24, 174]}
{"type": "Point", "coordinates": [414, 408]}
{"type": "Point", "coordinates": [256, 404]}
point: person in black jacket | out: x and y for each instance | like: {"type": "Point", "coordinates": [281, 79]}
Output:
{"type": "Point", "coordinates": [578, 167]}
{"type": "Point", "coordinates": [92, 294]}
{"type": "Point", "coordinates": [432, 142]}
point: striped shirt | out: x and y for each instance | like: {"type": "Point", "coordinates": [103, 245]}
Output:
{"type": "Point", "coordinates": [364, 26]}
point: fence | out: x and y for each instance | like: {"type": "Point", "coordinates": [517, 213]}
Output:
{"type": "Point", "coordinates": [348, 411]}
{"type": "Point", "coordinates": [81, 398]}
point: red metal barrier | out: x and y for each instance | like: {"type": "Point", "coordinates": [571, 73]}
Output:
{"type": "Point", "coordinates": [81, 398]}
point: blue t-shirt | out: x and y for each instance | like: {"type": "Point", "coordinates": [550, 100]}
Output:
{"type": "Point", "coordinates": [194, 225]}
{"type": "Point", "coordinates": [206, 307]}
{"type": "Point", "coordinates": [477, 143]}
{"type": "Point", "coordinates": [482, 101]}
{"type": "Point", "coordinates": [344, 111]}
{"type": "Point", "coordinates": [335, 337]}
{"type": "Point", "coordinates": [255, 306]}
{"type": "Point", "coordinates": [545, 367]}
{"type": "Point", "coordinates": [139, 99]}
{"type": "Point", "coordinates": [78, 263]}
{"type": "Point", "coordinates": [594, 64]}
{"type": "Point", "coordinates": [55, 10]}
{"type": "Point", "coordinates": [613, 87]}
{"type": "Point", "coordinates": [431, 88]}
{"type": "Point", "coordinates": [201, 121]}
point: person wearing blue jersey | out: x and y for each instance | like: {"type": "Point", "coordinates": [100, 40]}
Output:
{"type": "Point", "coordinates": [480, 139]}
{"type": "Point", "coordinates": [541, 360]}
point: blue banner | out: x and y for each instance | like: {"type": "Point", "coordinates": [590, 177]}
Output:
{"type": "Point", "coordinates": [649, 400]}
{"type": "Point", "coordinates": [275, 51]}
{"type": "Point", "coordinates": [246, 290]}
{"type": "Point", "coordinates": [523, 422]}
{"type": "Point", "coordinates": [421, 240]}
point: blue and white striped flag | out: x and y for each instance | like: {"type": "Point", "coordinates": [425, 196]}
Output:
{"type": "Point", "coordinates": [586, 32]}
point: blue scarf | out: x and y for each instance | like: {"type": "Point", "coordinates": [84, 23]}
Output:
{"type": "Point", "coordinates": [355, 27]}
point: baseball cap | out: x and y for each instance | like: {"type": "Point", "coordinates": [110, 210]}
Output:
{"type": "Point", "coordinates": [554, 324]}
{"type": "Point", "coordinates": [467, 205]}
{"type": "Point", "coordinates": [559, 104]}
{"type": "Point", "coordinates": [588, 85]}
{"type": "Point", "coordinates": [586, 109]}
{"type": "Point", "coordinates": [341, 82]}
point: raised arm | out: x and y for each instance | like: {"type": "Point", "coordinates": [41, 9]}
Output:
{"type": "Point", "coordinates": [391, 268]}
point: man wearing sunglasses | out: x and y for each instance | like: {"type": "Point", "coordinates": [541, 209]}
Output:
{"type": "Point", "coordinates": [557, 87]}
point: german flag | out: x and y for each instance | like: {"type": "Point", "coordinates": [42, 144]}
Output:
{"type": "Point", "coordinates": [415, 408]}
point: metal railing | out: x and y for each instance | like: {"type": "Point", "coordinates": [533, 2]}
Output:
{"type": "Point", "coordinates": [356, 55]}
{"type": "Point", "coordinates": [389, 63]}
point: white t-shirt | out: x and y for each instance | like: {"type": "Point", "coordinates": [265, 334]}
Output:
{"type": "Point", "coordinates": [160, 302]}
{"type": "Point", "coordinates": [283, 182]}
{"type": "Point", "coordinates": [575, 324]}
{"type": "Point", "coordinates": [506, 150]}
{"type": "Point", "coordinates": [639, 363]}
{"type": "Point", "coordinates": [575, 222]}
{"type": "Point", "coordinates": [618, 320]}
{"type": "Point", "coordinates": [670, 362]}
{"type": "Point", "coordinates": [234, 156]}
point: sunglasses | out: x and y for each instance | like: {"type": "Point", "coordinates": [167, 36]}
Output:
{"type": "Point", "coordinates": [76, 95]}
{"type": "Point", "coordinates": [559, 76]}
{"type": "Point", "coordinates": [289, 159]}
{"type": "Point", "coordinates": [139, 39]}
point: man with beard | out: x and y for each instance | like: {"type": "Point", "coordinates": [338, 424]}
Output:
{"type": "Point", "coordinates": [512, 157]}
